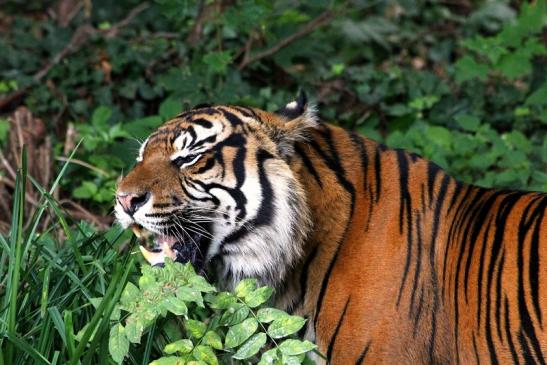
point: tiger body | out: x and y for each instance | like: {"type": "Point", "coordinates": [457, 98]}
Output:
{"type": "Point", "coordinates": [391, 260]}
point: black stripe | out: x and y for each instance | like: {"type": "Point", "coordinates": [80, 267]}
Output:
{"type": "Point", "coordinates": [378, 172]}
{"type": "Point", "coordinates": [203, 123]}
{"type": "Point", "coordinates": [309, 165]}
{"type": "Point", "coordinates": [231, 117]}
{"type": "Point", "coordinates": [405, 205]}
{"type": "Point", "coordinates": [207, 166]}
{"type": "Point", "coordinates": [264, 214]}
{"type": "Point", "coordinates": [361, 357]}
{"type": "Point", "coordinates": [439, 202]}
{"type": "Point", "coordinates": [508, 333]}
{"type": "Point", "coordinates": [333, 338]}
{"type": "Point", "coordinates": [335, 165]}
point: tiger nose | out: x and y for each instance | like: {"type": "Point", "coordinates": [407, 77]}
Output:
{"type": "Point", "coordinates": [130, 202]}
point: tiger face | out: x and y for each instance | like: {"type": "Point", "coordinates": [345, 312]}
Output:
{"type": "Point", "coordinates": [215, 187]}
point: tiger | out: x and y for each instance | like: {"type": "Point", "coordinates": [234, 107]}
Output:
{"type": "Point", "coordinates": [389, 259]}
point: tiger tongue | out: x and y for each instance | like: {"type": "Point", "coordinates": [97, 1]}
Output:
{"type": "Point", "coordinates": [164, 239]}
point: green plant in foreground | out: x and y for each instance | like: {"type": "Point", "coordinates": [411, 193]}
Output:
{"type": "Point", "coordinates": [50, 280]}
{"type": "Point", "coordinates": [220, 327]}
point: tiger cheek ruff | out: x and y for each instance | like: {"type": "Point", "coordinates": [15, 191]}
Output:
{"type": "Point", "coordinates": [391, 260]}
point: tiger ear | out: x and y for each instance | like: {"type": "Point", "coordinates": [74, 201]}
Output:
{"type": "Point", "coordinates": [299, 117]}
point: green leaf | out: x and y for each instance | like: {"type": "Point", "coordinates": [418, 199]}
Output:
{"type": "Point", "coordinates": [190, 295]}
{"type": "Point", "coordinates": [205, 354]}
{"type": "Point", "coordinates": [118, 345]}
{"type": "Point", "coordinates": [440, 136]}
{"type": "Point", "coordinates": [170, 107]}
{"type": "Point", "coordinates": [266, 315]}
{"type": "Point", "coordinates": [467, 69]}
{"type": "Point", "coordinates": [4, 128]}
{"type": "Point", "coordinates": [285, 326]}
{"type": "Point", "coordinates": [200, 283]}
{"type": "Point", "coordinates": [85, 191]}
{"type": "Point", "coordinates": [169, 360]}
{"type": "Point", "coordinates": [468, 122]}
{"type": "Point", "coordinates": [258, 296]}
{"type": "Point", "coordinates": [245, 287]}
{"type": "Point", "coordinates": [134, 328]}
{"type": "Point", "coordinates": [269, 357]}
{"type": "Point", "coordinates": [100, 116]}
{"type": "Point", "coordinates": [223, 300]}
{"type": "Point", "coordinates": [296, 347]}
{"type": "Point", "coordinates": [251, 346]}
{"type": "Point", "coordinates": [538, 97]}
{"type": "Point", "coordinates": [236, 313]}
{"type": "Point", "coordinates": [184, 346]}
{"type": "Point", "coordinates": [195, 328]}
{"type": "Point", "coordinates": [515, 65]}
{"type": "Point", "coordinates": [217, 61]}
{"type": "Point", "coordinates": [212, 339]}
{"type": "Point", "coordinates": [175, 305]}
{"type": "Point", "coordinates": [238, 333]}
{"type": "Point", "coordinates": [130, 295]}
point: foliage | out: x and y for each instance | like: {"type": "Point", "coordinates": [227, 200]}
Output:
{"type": "Point", "coordinates": [219, 327]}
{"type": "Point", "coordinates": [452, 82]}
{"type": "Point", "coordinates": [50, 282]}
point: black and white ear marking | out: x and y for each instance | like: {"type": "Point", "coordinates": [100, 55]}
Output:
{"type": "Point", "coordinates": [295, 108]}
{"type": "Point", "coordinates": [299, 118]}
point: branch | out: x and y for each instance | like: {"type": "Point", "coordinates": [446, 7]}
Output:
{"type": "Point", "coordinates": [81, 35]}
{"type": "Point", "coordinates": [309, 27]}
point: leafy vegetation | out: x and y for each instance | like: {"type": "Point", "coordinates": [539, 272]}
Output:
{"type": "Point", "coordinates": [220, 327]}
{"type": "Point", "coordinates": [461, 83]}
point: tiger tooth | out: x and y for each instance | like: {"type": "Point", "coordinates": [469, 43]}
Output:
{"type": "Point", "coordinates": [168, 251]}
{"type": "Point", "coordinates": [153, 258]}
{"type": "Point", "coordinates": [137, 230]}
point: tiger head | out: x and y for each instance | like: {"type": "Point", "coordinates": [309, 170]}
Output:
{"type": "Point", "coordinates": [216, 187]}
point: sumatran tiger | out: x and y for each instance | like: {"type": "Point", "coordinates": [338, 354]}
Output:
{"type": "Point", "coordinates": [391, 260]}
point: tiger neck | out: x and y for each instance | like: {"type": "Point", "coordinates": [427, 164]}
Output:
{"type": "Point", "coordinates": [347, 180]}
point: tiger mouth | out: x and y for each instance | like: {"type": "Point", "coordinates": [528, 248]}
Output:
{"type": "Point", "coordinates": [181, 247]}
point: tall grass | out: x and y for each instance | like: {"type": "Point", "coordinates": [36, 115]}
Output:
{"type": "Point", "coordinates": [49, 282]}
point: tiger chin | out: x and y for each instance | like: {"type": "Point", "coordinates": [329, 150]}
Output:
{"type": "Point", "coordinates": [390, 259]}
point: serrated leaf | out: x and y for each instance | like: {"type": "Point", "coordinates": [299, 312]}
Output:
{"type": "Point", "coordinates": [285, 326]}
{"type": "Point", "coordinates": [245, 287]}
{"type": "Point", "coordinates": [296, 347]}
{"type": "Point", "coordinates": [258, 296]}
{"type": "Point", "coordinates": [238, 333]}
{"type": "Point", "coordinates": [195, 328]}
{"type": "Point", "coordinates": [168, 360]}
{"type": "Point", "coordinates": [118, 345]}
{"type": "Point", "coordinates": [206, 354]}
{"type": "Point", "coordinates": [251, 346]}
{"type": "Point", "coordinates": [266, 315]}
{"type": "Point", "coordinates": [212, 339]}
{"type": "Point", "coordinates": [183, 346]}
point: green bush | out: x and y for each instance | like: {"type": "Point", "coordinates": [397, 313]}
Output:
{"type": "Point", "coordinates": [220, 327]}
